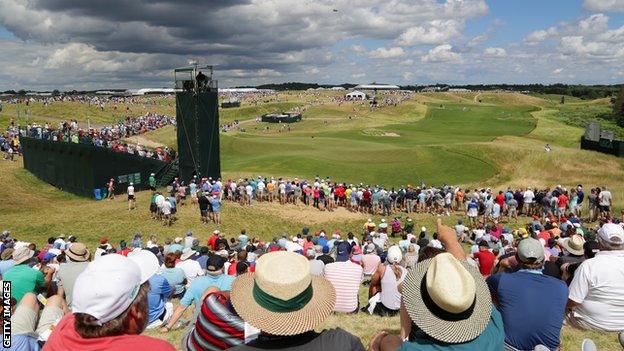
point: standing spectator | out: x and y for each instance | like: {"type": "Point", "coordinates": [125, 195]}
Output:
{"type": "Point", "coordinates": [131, 199]}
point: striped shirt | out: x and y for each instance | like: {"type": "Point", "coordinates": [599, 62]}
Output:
{"type": "Point", "coordinates": [346, 278]}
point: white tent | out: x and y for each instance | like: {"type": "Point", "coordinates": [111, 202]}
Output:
{"type": "Point", "coordinates": [355, 95]}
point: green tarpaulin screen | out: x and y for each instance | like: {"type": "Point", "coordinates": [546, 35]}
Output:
{"type": "Point", "coordinates": [197, 118]}
{"type": "Point", "coordinates": [81, 168]}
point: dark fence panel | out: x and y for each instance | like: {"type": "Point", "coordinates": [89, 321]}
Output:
{"type": "Point", "coordinates": [612, 147]}
{"type": "Point", "coordinates": [81, 168]}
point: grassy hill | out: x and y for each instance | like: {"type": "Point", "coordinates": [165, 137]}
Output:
{"type": "Point", "coordinates": [436, 137]}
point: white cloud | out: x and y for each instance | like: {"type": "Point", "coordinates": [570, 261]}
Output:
{"type": "Point", "coordinates": [495, 52]}
{"type": "Point", "coordinates": [557, 71]}
{"type": "Point", "coordinates": [407, 75]}
{"type": "Point", "coordinates": [541, 35]}
{"type": "Point", "coordinates": [604, 5]}
{"type": "Point", "coordinates": [571, 45]}
{"type": "Point", "coordinates": [441, 53]}
{"type": "Point", "coordinates": [593, 24]}
{"type": "Point", "coordinates": [358, 49]}
{"type": "Point", "coordinates": [432, 32]}
{"type": "Point", "coordinates": [358, 75]}
{"type": "Point", "coordinates": [407, 62]}
{"type": "Point", "coordinates": [383, 53]}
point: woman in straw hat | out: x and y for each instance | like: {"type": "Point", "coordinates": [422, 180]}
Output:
{"type": "Point", "coordinates": [287, 304]}
{"type": "Point", "coordinates": [446, 305]}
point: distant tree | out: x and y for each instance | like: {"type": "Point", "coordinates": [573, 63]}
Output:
{"type": "Point", "coordinates": [562, 99]}
{"type": "Point", "coordinates": [55, 92]}
{"type": "Point", "coordinates": [618, 108]}
{"type": "Point", "coordinates": [21, 92]}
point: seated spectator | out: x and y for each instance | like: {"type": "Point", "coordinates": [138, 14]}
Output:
{"type": "Point", "coordinates": [6, 260]}
{"type": "Point", "coordinates": [25, 279]}
{"type": "Point", "coordinates": [112, 316]}
{"type": "Point", "coordinates": [434, 317]}
{"type": "Point", "coordinates": [191, 268]}
{"type": "Point", "coordinates": [287, 304]}
{"type": "Point", "coordinates": [532, 304]}
{"type": "Point", "coordinates": [174, 275]}
{"type": "Point", "coordinates": [216, 317]}
{"type": "Point", "coordinates": [317, 267]}
{"type": "Point", "coordinates": [410, 258]}
{"type": "Point", "coordinates": [596, 298]}
{"type": "Point", "coordinates": [325, 257]}
{"type": "Point", "coordinates": [215, 277]}
{"type": "Point", "coordinates": [370, 261]}
{"type": "Point", "coordinates": [346, 278]}
{"type": "Point", "coordinates": [159, 308]}
{"type": "Point", "coordinates": [77, 260]}
{"type": "Point", "coordinates": [485, 258]}
{"type": "Point", "coordinates": [384, 295]}
{"type": "Point", "coordinates": [28, 325]}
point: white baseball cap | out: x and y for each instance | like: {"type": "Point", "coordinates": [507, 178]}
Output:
{"type": "Point", "coordinates": [394, 254]}
{"type": "Point", "coordinates": [611, 234]}
{"type": "Point", "coordinates": [117, 278]}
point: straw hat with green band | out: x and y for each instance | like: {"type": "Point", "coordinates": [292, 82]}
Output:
{"type": "Point", "coordinates": [282, 297]}
{"type": "Point", "coordinates": [448, 299]}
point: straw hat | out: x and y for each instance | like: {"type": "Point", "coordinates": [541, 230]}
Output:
{"type": "Point", "coordinates": [78, 252]}
{"type": "Point", "coordinates": [447, 299]}
{"type": "Point", "coordinates": [22, 254]}
{"type": "Point", "coordinates": [574, 245]}
{"type": "Point", "coordinates": [187, 253]}
{"type": "Point", "coordinates": [6, 254]}
{"type": "Point", "coordinates": [282, 297]}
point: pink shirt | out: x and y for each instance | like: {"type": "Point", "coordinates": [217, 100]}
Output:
{"type": "Point", "coordinates": [370, 263]}
{"type": "Point", "coordinates": [346, 278]}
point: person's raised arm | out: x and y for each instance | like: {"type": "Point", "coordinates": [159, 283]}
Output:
{"type": "Point", "coordinates": [448, 238]}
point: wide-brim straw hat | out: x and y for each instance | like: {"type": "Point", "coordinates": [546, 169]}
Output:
{"type": "Point", "coordinates": [284, 276]}
{"type": "Point", "coordinates": [78, 252]}
{"type": "Point", "coordinates": [574, 245]}
{"type": "Point", "coordinates": [442, 325]}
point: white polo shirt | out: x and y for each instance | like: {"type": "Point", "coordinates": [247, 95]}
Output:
{"type": "Point", "coordinates": [598, 285]}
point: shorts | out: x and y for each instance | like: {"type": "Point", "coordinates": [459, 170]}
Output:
{"type": "Point", "coordinates": [203, 213]}
{"type": "Point", "coordinates": [605, 208]}
{"type": "Point", "coordinates": [24, 320]}
{"type": "Point", "coordinates": [183, 197]}
{"type": "Point", "coordinates": [153, 208]}
{"type": "Point", "coordinates": [130, 197]}
{"type": "Point", "coordinates": [152, 188]}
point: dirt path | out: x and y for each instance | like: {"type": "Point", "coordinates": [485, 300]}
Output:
{"type": "Point", "coordinates": [307, 214]}
{"type": "Point", "coordinates": [476, 98]}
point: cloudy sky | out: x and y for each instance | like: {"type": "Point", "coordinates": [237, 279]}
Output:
{"type": "Point", "coordinates": [91, 44]}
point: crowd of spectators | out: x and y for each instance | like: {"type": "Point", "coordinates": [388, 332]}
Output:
{"type": "Point", "coordinates": [513, 290]}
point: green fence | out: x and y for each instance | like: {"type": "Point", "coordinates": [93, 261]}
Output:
{"type": "Point", "coordinates": [612, 147]}
{"type": "Point", "coordinates": [80, 168]}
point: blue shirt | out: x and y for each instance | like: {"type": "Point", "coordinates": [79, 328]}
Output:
{"type": "Point", "coordinates": [23, 342]}
{"type": "Point", "coordinates": [159, 293]}
{"type": "Point", "coordinates": [216, 205]}
{"type": "Point", "coordinates": [244, 239]}
{"type": "Point", "coordinates": [533, 307]}
{"type": "Point", "coordinates": [491, 339]}
{"type": "Point", "coordinates": [5, 265]}
{"type": "Point", "coordinates": [203, 261]}
{"type": "Point", "coordinates": [175, 277]}
{"type": "Point", "coordinates": [176, 247]}
{"type": "Point", "coordinates": [199, 285]}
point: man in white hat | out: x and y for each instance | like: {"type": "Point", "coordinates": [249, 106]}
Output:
{"type": "Point", "coordinates": [287, 304]}
{"type": "Point", "coordinates": [596, 299]}
{"type": "Point", "coordinates": [192, 269]}
{"type": "Point", "coordinates": [110, 308]}
{"type": "Point", "coordinates": [131, 199]}
{"type": "Point", "coordinates": [461, 318]}
{"type": "Point", "coordinates": [532, 304]}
